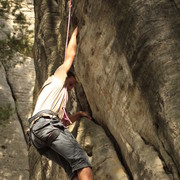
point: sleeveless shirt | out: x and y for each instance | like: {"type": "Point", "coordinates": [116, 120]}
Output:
{"type": "Point", "coordinates": [53, 95]}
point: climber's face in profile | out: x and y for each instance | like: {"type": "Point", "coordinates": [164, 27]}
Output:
{"type": "Point", "coordinates": [70, 83]}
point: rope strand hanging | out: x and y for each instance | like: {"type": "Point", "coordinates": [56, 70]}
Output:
{"type": "Point", "coordinates": [69, 19]}
{"type": "Point", "coordinates": [65, 116]}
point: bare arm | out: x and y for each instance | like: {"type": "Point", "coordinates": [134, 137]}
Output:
{"type": "Point", "coordinates": [70, 53]}
{"type": "Point", "coordinates": [76, 116]}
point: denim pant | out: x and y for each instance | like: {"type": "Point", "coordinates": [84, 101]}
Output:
{"type": "Point", "coordinates": [62, 148]}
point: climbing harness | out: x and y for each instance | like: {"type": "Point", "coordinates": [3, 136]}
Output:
{"type": "Point", "coordinates": [44, 113]}
{"type": "Point", "coordinates": [47, 114]}
{"type": "Point", "coordinates": [69, 19]}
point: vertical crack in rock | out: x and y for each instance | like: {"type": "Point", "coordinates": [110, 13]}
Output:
{"type": "Point", "coordinates": [170, 166]}
{"type": "Point", "coordinates": [166, 169]}
{"type": "Point", "coordinates": [118, 151]}
{"type": "Point", "coordinates": [16, 109]}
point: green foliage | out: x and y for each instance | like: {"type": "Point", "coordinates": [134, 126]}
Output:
{"type": "Point", "coordinates": [5, 113]}
{"type": "Point", "coordinates": [4, 7]}
{"type": "Point", "coordinates": [23, 45]}
{"type": "Point", "coordinates": [1, 13]}
{"type": "Point", "coordinates": [20, 17]}
{"type": "Point", "coordinates": [4, 4]}
{"type": "Point", "coordinates": [15, 9]}
{"type": "Point", "coordinates": [5, 53]}
{"type": "Point", "coordinates": [8, 47]}
{"type": "Point", "coordinates": [12, 44]}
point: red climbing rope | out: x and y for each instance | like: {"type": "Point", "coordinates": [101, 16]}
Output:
{"type": "Point", "coordinates": [69, 19]}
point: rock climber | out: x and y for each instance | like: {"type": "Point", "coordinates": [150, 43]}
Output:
{"type": "Point", "coordinates": [48, 131]}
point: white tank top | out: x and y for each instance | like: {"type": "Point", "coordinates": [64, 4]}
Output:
{"type": "Point", "coordinates": [53, 95]}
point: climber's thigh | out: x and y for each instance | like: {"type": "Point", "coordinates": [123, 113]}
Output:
{"type": "Point", "coordinates": [67, 146]}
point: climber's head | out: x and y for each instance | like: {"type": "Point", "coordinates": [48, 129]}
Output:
{"type": "Point", "coordinates": [70, 81]}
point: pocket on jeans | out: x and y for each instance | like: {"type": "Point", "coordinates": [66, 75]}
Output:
{"type": "Point", "coordinates": [40, 124]}
{"type": "Point", "coordinates": [42, 130]}
{"type": "Point", "coordinates": [59, 125]}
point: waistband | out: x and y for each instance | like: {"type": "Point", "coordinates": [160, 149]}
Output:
{"type": "Point", "coordinates": [44, 113]}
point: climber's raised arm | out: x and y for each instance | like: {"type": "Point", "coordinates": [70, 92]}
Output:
{"type": "Point", "coordinates": [70, 53]}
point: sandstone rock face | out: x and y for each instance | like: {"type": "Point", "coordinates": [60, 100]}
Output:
{"type": "Point", "coordinates": [102, 155]}
{"type": "Point", "coordinates": [22, 79]}
{"type": "Point", "coordinates": [13, 149]}
{"type": "Point", "coordinates": [129, 60]}
{"type": "Point", "coordinates": [128, 66]}
{"type": "Point", "coordinates": [16, 86]}
{"type": "Point", "coordinates": [16, 41]}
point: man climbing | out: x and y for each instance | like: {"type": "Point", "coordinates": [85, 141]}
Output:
{"type": "Point", "coordinates": [48, 130]}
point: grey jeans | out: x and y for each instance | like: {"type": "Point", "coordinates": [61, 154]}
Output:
{"type": "Point", "coordinates": [62, 148]}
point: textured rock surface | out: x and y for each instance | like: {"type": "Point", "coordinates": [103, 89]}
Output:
{"type": "Point", "coordinates": [16, 107]}
{"type": "Point", "coordinates": [16, 86]}
{"type": "Point", "coordinates": [130, 59]}
{"type": "Point", "coordinates": [128, 65]}
{"type": "Point", "coordinates": [100, 150]}
{"type": "Point", "coordinates": [13, 149]}
{"type": "Point", "coordinates": [22, 79]}
{"type": "Point", "coordinates": [42, 168]}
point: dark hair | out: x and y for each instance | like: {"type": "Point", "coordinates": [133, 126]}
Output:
{"type": "Point", "coordinates": [70, 73]}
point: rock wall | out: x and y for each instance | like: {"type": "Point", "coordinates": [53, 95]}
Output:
{"type": "Point", "coordinates": [16, 86]}
{"type": "Point", "coordinates": [15, 107]}
{"type": "Point", "coordinates": [128, 67]}
{"type": "Point", "coordinates": [130, 60]}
